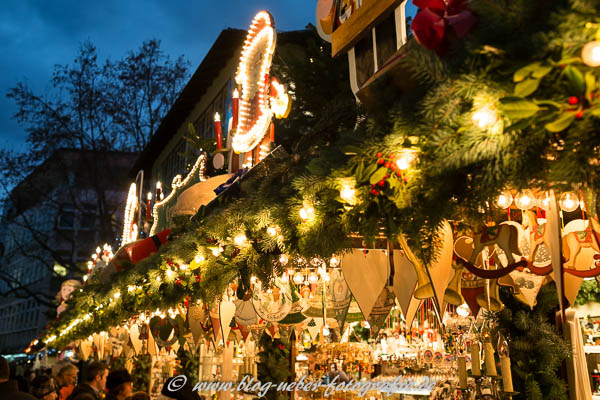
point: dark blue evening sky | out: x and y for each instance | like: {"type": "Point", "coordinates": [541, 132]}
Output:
{"type": "Point", "coordinates": [36, 35]}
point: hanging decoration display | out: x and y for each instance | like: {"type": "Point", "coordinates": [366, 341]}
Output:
{"type": "Point", "coordinates": [272, 304]}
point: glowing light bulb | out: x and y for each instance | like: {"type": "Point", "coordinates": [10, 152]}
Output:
{"type": "Point", "coordinates": [131, 288]}
{"type": "Point", "coordinates": [334, 261]}
{"type": "Point", "coordinates": [348, 194]}
{"type": "Point", "coordinates": [326, 331]}
{"type": "Point", "coordinates": [525, 200]}
{"type": "Point", "coordinates": [217, 117]}
{"type": "Point", "coordinates": [170, 273]}
{"type": "Point", "coordinates": [326, 277]}
{"type": "Point", "coordinates": [158, 185]}
{"type": "Point", "coordinates": [463, 310]}
{"type": "Point", "coordinates": [285, 278]}
{"type": "Point", "coordinates": [298, 278]}
{"type": "Point", "coordinates": [239, 239]}
{"type": "Point", "coordinates": [484, 117]}
{"type": "Point", "coordinates": [307, 212]}
{"type": "Point", "coordinates": [158, 279]}
{"type": "Point", "coordinates": [590, 54]}
{"type": "Point", "coordinates": [216, 251]}
{"type": "Point", "coordinates": [569, 202]}
{"type": "Point", "coordinates": [253, 280]}
{"type": "Point", "coordinates": [85, 278]}
{"type": "Point", "coordinates": [504, 200]}
{"type": "Point", "coordinates": [313, 278]}
{"type": "Point", "coordinates": [149, 196]}
{"type": "Point", "coordinates": [272, 231]}
{"type": "Point", "coordinates": [183, 267]}
{"type": "Point", "coordinates": [117, 295]}
{"type": "Point", "coordinates": [98, 250]}
{"type": "Point", "coordinates": [199, 258]}
{"type": "Point", "coordinates": [283, 259]}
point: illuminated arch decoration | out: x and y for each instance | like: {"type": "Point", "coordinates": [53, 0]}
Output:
{"type": "Point", "coordinates": [256, 103]}
{"type": "Point", "coordinates": [159, 211]}
{"type": "Point", "coordinates": [130, 229]}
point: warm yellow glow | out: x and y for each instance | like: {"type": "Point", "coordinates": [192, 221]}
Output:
{"type": "Point", "coordinates": [298, 278]}
{"type": "Point", "coordinates": [117, 295]}
{"type": "Point", "coordinates": [348, 194]}
{"type": "Point", "coordinates": [484, 117]}
{"type": "Point", "coordinates": [504, 200]}
{"type": "Point", "coordinates": [326, 331]}
{"type": "Point", "coordinates": [280, 103]}
{"type": "Point", "coordinates": [129, 234]}
{"type": "Point", "coordinates": [334, 262]}
{"type": "Point", "coordinates": [149, 196]}
{"type": "Point", "coordinates": [158, 185]}
{"type": "Point", "coordinates": [253, 280]}
{"type": "Point", "coordinates": [170, 273]}
{"type": "Point", "coordinates": [313, 278]}
{"type": "Point", "coordinates": [283, 259]}
{"type": "Point", "coordinates": [525, 200]}
{"type": "Point", "coordinates": [240, 239]}
{"type": "Point", "coordinates": [257, 55]}
{"type": "Point", "coordinates": [199, 258]}
{"type": "Point", "coordinates": [131, 288]}
{"type": "Point", "coordinates": [569, 202]}
{"type": "Point", "coordinates": [217, 117]}
{"type": "Point", "coordinates": [307, 212]}
{"type": "Point", "coordinates": [406, 159]}
{"type": "Point", "coordinates": [591, 54]}
{"type": "Point", "coordinates": [285, 278]}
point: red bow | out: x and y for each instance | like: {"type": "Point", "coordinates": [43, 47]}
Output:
{"type": "Point", "coordinates": [431, 23]}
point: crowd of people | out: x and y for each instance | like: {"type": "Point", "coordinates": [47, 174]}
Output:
{"type": "Point", "coordinates": [61, 383]}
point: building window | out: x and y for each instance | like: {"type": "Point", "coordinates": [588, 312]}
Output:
{"type": "Point", "coordinates": [66, 218]}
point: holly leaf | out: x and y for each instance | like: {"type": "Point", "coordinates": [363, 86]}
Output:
{"type": "Point", "coordinates": [526, 87]}
{"type": "Point", "coordinates": [517, 108]}
{"type": "Point", "coordinates": [540, 71]}
{"type": "Point", "coordinates": [575, 79]}
{"type": "Point", "coordinates": [590, 84]}
{"type": "Point", "coordinates": [561, 123]}
{"type": "Point", "coordinates": [378, 175]}
{"type": "Point", "coordinates": [368, 171]}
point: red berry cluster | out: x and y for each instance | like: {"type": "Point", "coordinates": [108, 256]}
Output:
{"type": "Point", "coordinates": [390, 164]}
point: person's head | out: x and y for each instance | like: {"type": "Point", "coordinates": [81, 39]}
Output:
{"type": "Point", "coordinates": [4, 369]}
{"type": "Point", "coordinates": [333, 367]}
{"type": "Point", "coordinates": [96, 375]}
{"type": "Point", "coordinates": [139, 396]}
{"type": "Point", "coordinates": [119, 383]}
{"type": "Point", "coordinates": [65, 373]}
{"type": "Point", "coordinates": [43, 388]}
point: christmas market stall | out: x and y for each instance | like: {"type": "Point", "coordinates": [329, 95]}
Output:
{"type": "Point", "coordinates": [429, 241]}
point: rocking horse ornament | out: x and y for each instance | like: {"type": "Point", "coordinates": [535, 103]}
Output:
{"type": "Point", "coordinates": [506, 238]}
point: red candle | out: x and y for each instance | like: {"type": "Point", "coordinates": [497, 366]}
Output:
{"type": "Point", "coordinates": [148, 205]}
{"type": "Point", "coordinates": [236, 107]}
{"type": "Point", "coordinates": [218, 131]}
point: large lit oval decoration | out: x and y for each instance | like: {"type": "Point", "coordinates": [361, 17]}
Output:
{"type": "Point", "coordinates": [253, 75]}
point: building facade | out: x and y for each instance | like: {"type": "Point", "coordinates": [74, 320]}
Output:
{"type": "Point", "coordinates": [52, 222]}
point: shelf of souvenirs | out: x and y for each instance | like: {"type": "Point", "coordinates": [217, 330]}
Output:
{"type": "Point", "coordinates": [591, 334]}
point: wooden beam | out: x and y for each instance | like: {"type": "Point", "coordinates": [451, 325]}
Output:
{"type": "Point", "coordinates": [360, 23]}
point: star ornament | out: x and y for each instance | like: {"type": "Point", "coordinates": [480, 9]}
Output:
{"type": "Point", "coordinates": [253, 77]}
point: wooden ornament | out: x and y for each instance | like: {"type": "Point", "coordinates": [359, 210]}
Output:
{"type": "Point", "coordinates": [226, 313]}
{"type": "Point", "coordinates": [274, 304]}
{"type": "Point", "coordinates": [134, 335]}
{"type": "Point", "coordinates": [199, 322]}
{"type": "Point", "coordinates": [404, 282]}
{"type": "Point", "coordinates": [380, 311]}
{"type": "Point", "coordinates": [244, 312]}
{"type": "Point", "coordinates": [366, 276]}
{"type": "Point", "coordinates": [85, 347]}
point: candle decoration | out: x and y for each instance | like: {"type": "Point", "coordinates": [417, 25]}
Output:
{"type": "Point", "coordinates": [488, 350]}
{"type": "Point", "coordinates": [505, 364]}
{"type": "Point", "coordinates": [218, 132]}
